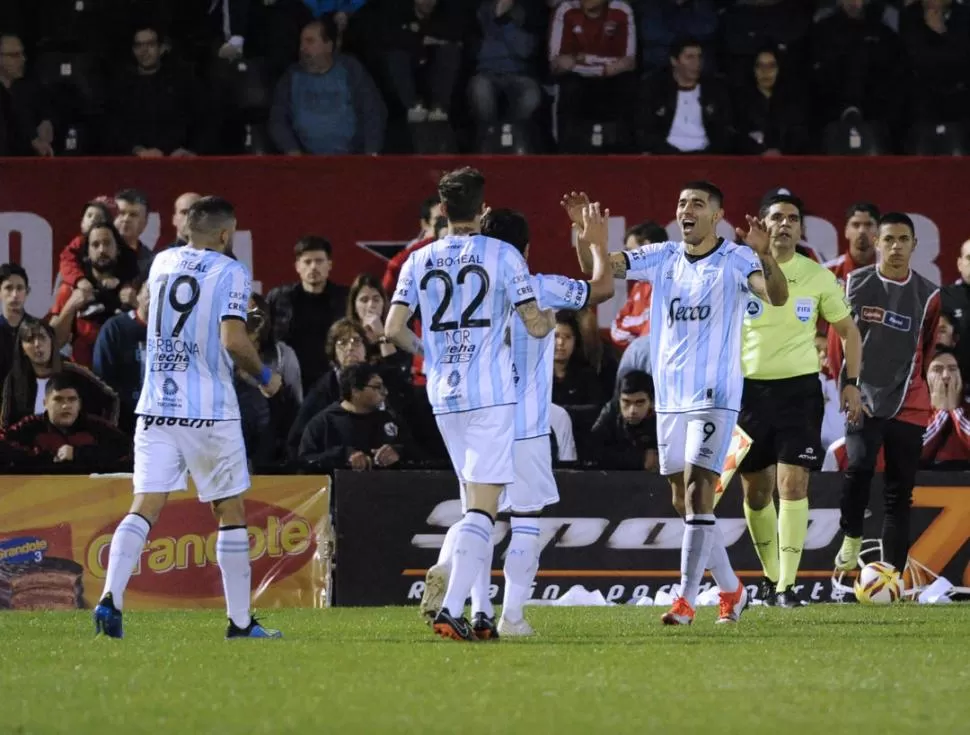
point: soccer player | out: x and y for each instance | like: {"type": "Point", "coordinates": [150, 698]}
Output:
{"type": "Point", "coordinates": [782, 405]}
{"type": "Point", "coordinates": [188, 415]}
{"type": "Point", "coordinates": [701, 290]}
{"type": "Point", "coordinates": [897, 311]}
{"type": "Point", "coordinates": [535, 487]}
{"type": "Point", "coordinates": [467, 286]}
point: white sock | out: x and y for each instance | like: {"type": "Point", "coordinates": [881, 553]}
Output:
{"type": "Point", "coordinates": [720, 564]}
{"type": "Point", "coordinates": [694, 552]}
{"type": "Point", "coordinates": [521, 565]}
{"type": "Point", "coordinates": [126, 546]}
{"type": "Point", "coordinates": [472, 550]}
{"type": "Point", "coordinates": [232, 553]}
{"type": "Point", "coordinates": [448, 545]}
{"type": "Point", "coordinates": [481, 598]}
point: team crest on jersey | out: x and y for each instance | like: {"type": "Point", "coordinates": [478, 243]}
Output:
{"type": "Point", "coordinates": [754, 309]}
{"type": "Point", "coordinates": [803, 310]}
{"type": "Point", "coordinates": [390, 429]}
{"type": "Point", "coordinates": [170, 387]}
{"type": "Point", "coordinates": [454, 378]}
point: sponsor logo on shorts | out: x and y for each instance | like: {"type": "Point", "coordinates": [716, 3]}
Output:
{"type": "Point", "coordinates": [706, 452]}
{"type": "Point", "coordinates": [149, 421]}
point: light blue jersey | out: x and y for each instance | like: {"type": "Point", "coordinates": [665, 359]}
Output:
{"type": "Point", "coordinates": [466, 287]}
{"type": "Point", "coordinates": [696, 316]}
{"type": "Point", "coordinates": [188, 373]}
{"type": "Point", "coordinates": [532, 358]}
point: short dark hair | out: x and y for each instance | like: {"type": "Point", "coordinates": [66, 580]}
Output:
{"type": "Point", "coordinates": [940, 350]}
{"type": "Point", "coordinates": [647, 231]}
{"type": "Point", "coordinates": [356, 377]}
{"type": "Point", "coordinates": [98, 205]}
{"type": "Point", "coordinates": [713, 193]}
{"type": "Point", "coordinates": [636, 381]}
{"type": "Point", "coordinates": [338, 330]}
{"type": "Point", "coordinates": [60, 381]}
{"type": "Point", "coordinates": [782, 199]}
{"type": "Point", "coordinates": [209, 213]}
{"type": "Point", "coordinates": [109, 225]}
{"type": "Point", "coordinates": [508, 225]}
{"type": "Point", "coordinates": [427, 205]}
{"type": "Point", "coordinates": [134, 196]}
{"type": "Point", "coordinates": [867, 207]}
{"type": "Point", "coordinates": [684, 42]}
{"type": "Point", "coordinates": [898, 218]}
{"type": "Point", "coordinates": [327, 27]}
{"type": "Point", "coordinates": [462, 191]}
{"type": "Point", "coordinates": [13, 269]}
{"type": "Point", "coordinates": [312, 243]}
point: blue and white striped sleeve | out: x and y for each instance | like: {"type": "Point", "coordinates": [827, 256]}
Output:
{"type": "Point", "coordinates": [560, 292]}
{"type": "Point", "coordinates": [642, 263]}
{"type": "Point", "coordinates": [234, 289]}
{"type": "Point", "coordinates": [746, 261]}
{"type": "Point", "coordinates": [406, 292]}
{"type": "Point", "coordinates": [516, 277]}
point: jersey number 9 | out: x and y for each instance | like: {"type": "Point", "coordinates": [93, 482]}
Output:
{"type": "Point", "coordinates": [182, 308]}
{"type": "Point", "coordinates": [467, 322]}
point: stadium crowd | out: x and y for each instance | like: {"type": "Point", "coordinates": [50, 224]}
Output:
{"type": "Point", "coordinates": [71, 378]}
{"type": "Point", "coordinates": [157, 78]}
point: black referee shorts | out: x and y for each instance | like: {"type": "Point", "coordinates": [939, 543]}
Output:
{"type": "Point", "coordinates": [784, 420]}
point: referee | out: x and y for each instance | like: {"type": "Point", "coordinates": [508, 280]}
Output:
{"type": "Point", "coordinates": [782, 405]}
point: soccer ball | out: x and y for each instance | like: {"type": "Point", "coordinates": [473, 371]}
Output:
{"type": "Point", "coordinates": [878, 584]}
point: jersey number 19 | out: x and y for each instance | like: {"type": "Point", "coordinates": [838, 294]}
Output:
{"type": "Point", "coordinates": [182, 308]}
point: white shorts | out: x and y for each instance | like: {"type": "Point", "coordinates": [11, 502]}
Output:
{"type": "Point", "coordinates": [479, 443]}
{"type": "Point", "coordinates": [213, 452]}
{"type": "Point", "coordinates": [534, 487]}
{"type": "Point", "coordinates": [700, 438]}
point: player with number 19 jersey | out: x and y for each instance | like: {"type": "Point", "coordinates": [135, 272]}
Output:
{"type": "Point", "coordinates": [466, 287]}
{"type": "Point", "coordinates": [188, 373]}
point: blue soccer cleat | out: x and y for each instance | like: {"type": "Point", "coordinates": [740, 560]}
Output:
{"type": "Point", "coordinates": [107, 619]}
{"type": "Point", "coordinates": [253, 630]}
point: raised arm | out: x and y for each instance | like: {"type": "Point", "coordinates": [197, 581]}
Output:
{"type": "Point", "coordinates": [595, 232]}
{"type": "Point", "coordinates": [769, 284]}
{"type": "Point", "coordinates": [574, 204]}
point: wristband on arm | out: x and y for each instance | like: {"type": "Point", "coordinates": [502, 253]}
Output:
{"type": "Point", "coordinates": [265, 376]}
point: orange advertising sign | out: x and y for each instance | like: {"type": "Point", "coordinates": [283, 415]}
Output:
{"type": "Point", "coordinates": [55, 534]}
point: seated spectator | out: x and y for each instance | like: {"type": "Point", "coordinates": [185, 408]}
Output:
{"type": "Point", "coordinates": [180, 217]}
{"type": "Point", "coordinates": [346, 345]}
{"type": "Point", "coordinates": [14, 289]}
{"type": "Point", "coordinates": [624, 436]}
{"type": "Point", "coordinates": [747, 25]}
{"type": "Point", "coordinates": [592, 52]}
{"type": "Point", "coordinates": [64, 433]}
{"type": "Point", "coordinates": [661, 22]}
{"type": "Point", "coordinates": [303, 311]}
{"type": "Point", "coordinates": [575, 381]}
{"type": "Point", "coordinates": [35, 361]}
{"type": "Point", "coordinates": [945, 332]}
{"type": "Point", "coordinates": [505, 69]}
{"type": "Point", "coordinates": [683, 111]}
{"type": "Point", "coordinates": [25, 115]}
{"type": "Point", "coordinates": [422, 53]}
{"type": "Point", "coordinates": [119, 354]}
{"type": "Point", "coordinates": [326, 104]}
{"type": "Point", "coordinates": [771, 116]}
{"type": "Point", "coordinates": [357, 432]}
{"type": "Point", "coordinates": [265, 421]}
{"type": "Point", "coordinates": [367, 306]}
{"type": "Point", "coordinates": [155, 108]}
{"type": "Point", "coordinates": [103, 247]}
{"type": "Point", "coordinates": [946, 443]}
{"type": "Point", "coordinates": [633, 319]}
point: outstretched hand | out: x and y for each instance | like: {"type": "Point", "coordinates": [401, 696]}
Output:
{"type": "Point", "coordinates": [756, 237]}
{"type": "Point", "coordinates": [594, 227]}
{"type": "Point", "coordinates": [573, 203]}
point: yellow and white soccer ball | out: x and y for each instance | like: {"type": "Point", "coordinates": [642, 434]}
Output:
{"type": "Point", "coordinates": [878, 583]}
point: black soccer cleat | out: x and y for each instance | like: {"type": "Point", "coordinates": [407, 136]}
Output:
{"type": "Point", "coordinates": [254, 630]}
{"type": "Point", "coordinates": [788, 597]}
{"type": "Point", "coordinates": [456, 629]}
{"type": "Point", "coordinates": [484, 627]}
{"type": "Point", "coordinates": [766, 592]}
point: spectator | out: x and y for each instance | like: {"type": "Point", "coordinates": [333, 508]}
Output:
{"type": "Point", "coordinates": [592, 52]}
{"type": "Point", "coordinates": [346, 345]}
{"type": "Point", "coordinates": [946, 443]}
{"type": "Point", "coordinates": [422, 38]}
{"type": "Point", "coordinates": [357, 432]}
{"type": "Point", "coordinates": [303, 311]}
{"type": "Point", "coordinates": [14, 289]}
{"type": "Point", "coordinates": [633, 319]}
{"type": "Point", "coordinates": [661, 22]}
{"type": "Point", "coordinates": [683, 111]}
{"type": "Point", "coordinates": [945, 332]}
{"type": "Point", "coordinates": [179, 217]}
{"type": "Point", "coordinates": [341, 10]}
{"type": "Point", "coordinates": [430, 212]}
{"type": "Point", "coordinates": [505, 66]}
{"type": "Point", "coordinates": [955, 307]}
{"type": "Point", "coordinates": [131, 222]}
{"type": "Point", "coordinates": [574, 380]}
{"type": "Point", "coordinates": [624, 436]}
{"type": "Point", "coordinates": [327, 103]}
{"type": "Point", "coordinates": [963, 263]}
{"type": "Point", "coordinates": [25, 116]}
{"type": "Point", "coordinates": [750, 24]}
{"type": "Point", "coordinates": [103, 245]}
{"type": "Point", "coordinates": [771, 116]}
{"type": "Point", "coordinates": [155, 108]}
{"type": "Point", "coordinates": [35, 361]}
{"type": "Point", "coordinates": [935, 35]}
{"type": "Point", "coordinates": [861, 229]}
{"type": "Point", "coordinates": [64, 433]}
{"type": "Point", "coordinates": [119, 354]}
{"type": "Point", "coordinates": [265, 420]}
{"type": "Point", "coordinates": [72, 258]}
{"type": "Point", "coordinates": [367, 306]}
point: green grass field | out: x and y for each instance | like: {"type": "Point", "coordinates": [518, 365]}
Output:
{"type": "Point", "coordinates": [826, 669]}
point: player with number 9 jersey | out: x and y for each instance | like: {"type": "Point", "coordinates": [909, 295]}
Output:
{"type": "Point", "coordinates": [188, 373]}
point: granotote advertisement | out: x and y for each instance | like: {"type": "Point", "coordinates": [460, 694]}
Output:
{"type": "Point", "coordinates": [55, 533]}
{"type": "Point", "coordinates": [614, 532]}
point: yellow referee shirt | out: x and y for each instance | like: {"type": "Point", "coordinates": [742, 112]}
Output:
{"type": "Point", "coordinates": [779, 341]}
